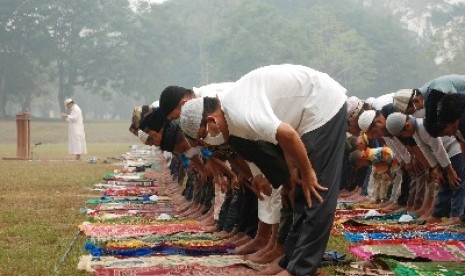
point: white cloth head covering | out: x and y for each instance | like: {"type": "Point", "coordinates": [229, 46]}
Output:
{"type": "Point", "coordinates": [370, 100]}
{"type": "Point", "coordinates": [366, 119]}
{"type": "Point", "coordinates": [354, 106]}
{"type": "Point", "coordinates": [67, 101]}
{"type": "Point", "coordinates": [395, 123]}
{"type": "Point", "coordinates": [155, 104]}
{"type": "Point", "coordinates": [191, 117]}
{"type": "Point", "coordinates": [401, 99]}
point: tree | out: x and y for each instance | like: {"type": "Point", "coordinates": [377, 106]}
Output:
{"type": "Point", "coordinates": [19, 42]}
{"type": "Point", "coordinates": [86, 39]}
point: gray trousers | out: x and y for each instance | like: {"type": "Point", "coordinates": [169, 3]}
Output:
{"type": "Point", "coordinates": [311, 227]}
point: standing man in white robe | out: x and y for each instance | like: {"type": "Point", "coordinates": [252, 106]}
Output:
{"type": "Point", "coordinates": [76, 134]}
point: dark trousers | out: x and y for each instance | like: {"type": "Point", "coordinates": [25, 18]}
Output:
{"type": "Point", "coordinates": [223, 217]}
{"type": "Point", "coordinates": [450, 201]}
{"type": "Point", "coordinates": [248, 216]}
{"type": "Point", "coordinates": [404, 189]}
{"type": "Point", "coordinates": [311, 228]}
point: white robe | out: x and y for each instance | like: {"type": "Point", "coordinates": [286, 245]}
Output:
{"type": "Point", "coordinates": [76, 134]}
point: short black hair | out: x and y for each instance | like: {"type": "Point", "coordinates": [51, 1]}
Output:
{"type": "Point", "coordinates": [153, 120]}
{"type": "Point", "coordinates": [171, 96]}
{"type": "Point", "coordinates": [210, 105]}
{"type": "Point", "coordinates": [450, 108]}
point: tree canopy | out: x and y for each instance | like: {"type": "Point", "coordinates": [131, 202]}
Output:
{"type": "Point", "coordinates": [51, 49]}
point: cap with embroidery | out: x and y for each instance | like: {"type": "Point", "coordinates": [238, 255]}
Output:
{"type": "Point", "coordinates": [366, 119]}
{"type": "Point", "coordinates": [354, 107]}
{"type": "Point", "coordinates": [191, 117]}
{"type": "Point", "coordinates": [395, 123]}
{"type": "Point", "coordinates": [402, 98]}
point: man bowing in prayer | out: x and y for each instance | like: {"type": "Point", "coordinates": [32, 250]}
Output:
{"type": "Point", "coordinates": [304, 112]}
{"type": "Point", "coordinates": [76, 134]}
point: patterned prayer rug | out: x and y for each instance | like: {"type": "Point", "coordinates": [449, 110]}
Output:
{"type": "Point", "coordinates": [453, 251]}
{"type": "Point", "coordinates": [127, 231]}
{"type": "Point", "coordinates": [233, 270]}
{"type": "Point", "coordinates": [86, 262]}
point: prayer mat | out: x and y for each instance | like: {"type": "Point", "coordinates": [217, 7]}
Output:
{"type": "Point", "coordinates": [433, 251]}
{"type": "Point", "coordinates": [432, 236]}
{"type": "Point", "coordinates": [135, 217]}
{"type": "Point", "coordinates": [123, 176]}
{"type": "Point", "coordinates": [162, 238]}
{"type": "Point", "coordinates": [136, 183]}
{"type": "Point", "coordinates": [187, 248]}
{"type": "Point", "coordinates": [356, 226]}
{"type": "Point", "coordinates": [122, 199]}
{"type": "Point", "coordinates": [427, 268]}
{"type": "Point", "coordinates": [131, 191]}
{"type": "Point", "coordinates": [88, 263]}
{"type": "Point", "coordinates": [132, 206]}
{"type": "Point", "coordinates": [126, 231]}
{"type": "Point", "coordinates": [238, 270]}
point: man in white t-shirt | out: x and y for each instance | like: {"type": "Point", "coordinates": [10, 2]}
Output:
{"type": "Point", "coordinates": [304, 112]}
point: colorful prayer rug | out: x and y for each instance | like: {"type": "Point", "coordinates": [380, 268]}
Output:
{"type": "Point", "coordinates": [442, 251]}
{"type": "Point", "coordinates": [238, 270]}
{"type": "Point", "coordinates": [88, 263]}
{"type": "Point", "coordinates": [127, 231]}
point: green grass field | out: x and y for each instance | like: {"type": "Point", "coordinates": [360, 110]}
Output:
{"type": "Point", "coordinates": [40, 199]}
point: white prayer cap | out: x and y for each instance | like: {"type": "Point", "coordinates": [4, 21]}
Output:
{"type": "Point", "coordinates": [366, 119]}
{"type": "Point", "coordinates": [191, 117]}
{"type": "Point", "coordinates": [67, 101]}
{"type": "Point", "coordinates": [155, 104]}
{"type": "Point", "coordinates": [402, 98]}
{"type": "Point", "coordinates": [370, 100]}
{"type": "Point", "coordinates": [354, 106]}
{"type": "Point", "coordinates": [395, 123]}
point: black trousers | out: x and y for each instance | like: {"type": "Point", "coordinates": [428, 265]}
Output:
{"type": "Point", "coordinates": [311, 227]}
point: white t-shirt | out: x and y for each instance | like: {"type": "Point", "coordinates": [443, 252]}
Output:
{"type": "Point", "coordinates": [381, 101]}
{"type": "Point", "coordinates": [213, 89]}
{"type": "Point", "coordinates": [262, 99]}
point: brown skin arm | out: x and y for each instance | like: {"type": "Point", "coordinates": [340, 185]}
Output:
{"type": "Point", "coordinates": [295, 151]}
{"type": "Point", "coordinates": [198, 164]}
{"type": "Point", "coordinates": [225, 170]}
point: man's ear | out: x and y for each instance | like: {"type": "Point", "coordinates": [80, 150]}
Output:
{"type": "Point", "coordinates": [182, 102]}
{"type": "Point", "coordinates": [210, 119]}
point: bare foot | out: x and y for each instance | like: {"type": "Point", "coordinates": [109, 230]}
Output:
{"type": "Point", "coordinates": [252, 246]}
{"type": "Point", "coordinates": [224, 234]}
{"type": "Point", "coordinates": [272, 269]}
{"type": "Point", "coordinates": [452, 221]}
{"type": "Point", "coordinates": [210, 228]}
{"type": "Point", "coordinates": [243, 240]}
{"type": "Point", "coordinates": [276, 253]}
{"type": "Point", "coordinates": [432, 220]}
{"type": "Point", "coordinates": [236, 237]}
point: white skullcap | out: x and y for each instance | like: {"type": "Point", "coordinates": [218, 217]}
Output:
{"type": "Point", "coordinates": [67, 101]}
{"type": "Point", "coordinates": [395, 123]}
{"type": "Point", "coordinates": [191, 117]}
{"type": "Point", "coordinates": [155, 104]}
{"type": "Point", "coordinates": [402, 98]}
{"type": "Point", "coordinates": [354, 106]}
{"type": "Point", "coordinates": [370, 100]}
{"type": "Point", "coordinates": [366, 119]}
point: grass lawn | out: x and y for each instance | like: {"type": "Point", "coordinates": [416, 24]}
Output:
{"type": "Point", "coordinates": [40, 199]}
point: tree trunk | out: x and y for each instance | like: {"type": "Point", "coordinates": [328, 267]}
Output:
{"type": "Point", "coordinates": [2, 95]}
{"type": "Point", "coordinates": [61, 85]}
